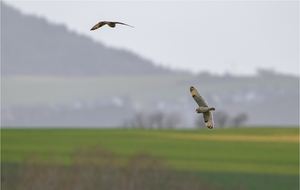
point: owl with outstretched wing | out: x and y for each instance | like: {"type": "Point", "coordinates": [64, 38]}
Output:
{"type": "Point", "coordinates": [109, 23]}
{"type": "Point", "coordinates": [203, 108]}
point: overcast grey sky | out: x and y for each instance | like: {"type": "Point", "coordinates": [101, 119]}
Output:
{"type": "Point", "coordinates": [218, 36]}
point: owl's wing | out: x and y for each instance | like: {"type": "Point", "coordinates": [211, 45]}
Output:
{"type": "Point", "coordinates": [98, 25]}
{"type": "Point", "coordinates": [208, 119]}
{"type": "Point", "coordinates": [123, 24]}
{"type": "Point", "coordinates": [199, 100]}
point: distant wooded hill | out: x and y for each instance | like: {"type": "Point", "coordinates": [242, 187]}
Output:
{"type": "Point", "coordinates": [32, 45]}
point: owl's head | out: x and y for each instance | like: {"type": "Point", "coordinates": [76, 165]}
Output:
{"type": "Point", "coordinates": [192, 88]}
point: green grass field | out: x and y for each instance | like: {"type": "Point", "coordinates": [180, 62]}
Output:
{"type": "Point", "coordinates": [256, 158]}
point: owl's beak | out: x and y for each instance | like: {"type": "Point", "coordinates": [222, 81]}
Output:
{"type": "Point", "coordinates": [191, 88]}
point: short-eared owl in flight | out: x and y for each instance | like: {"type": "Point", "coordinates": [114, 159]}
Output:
{"type": "Point", "coordinates": [203, 108]}
{"type": "Point", "coordinates": [109, 23]}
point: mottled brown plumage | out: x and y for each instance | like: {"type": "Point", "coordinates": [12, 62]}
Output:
{"type": "Point", "coordinates": [203, 108]}
{"type": "Point", "coordinates": [109, 23]}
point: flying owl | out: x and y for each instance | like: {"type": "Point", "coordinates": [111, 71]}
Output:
{"type": "Point", "coordinates": [203, 108]}
{"type": "Point", "coordinates": [109, 23]}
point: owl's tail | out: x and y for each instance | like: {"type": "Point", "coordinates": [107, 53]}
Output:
{"type": "Point", "coordinates": [209, 124]}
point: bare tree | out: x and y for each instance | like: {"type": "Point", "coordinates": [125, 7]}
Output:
{"type": "Point", "coordinates": [172, 120]}
{"type": "Point", "coordinates": [138, 121]}
{"type": "Point", "coordinates": [199, 122]}
{"type": "Point", "coordinates": [239, 119]}
{"type": "Point", "coordinates": [155, 119]}
{"type": "Point", "coordinates": [221, 118]}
